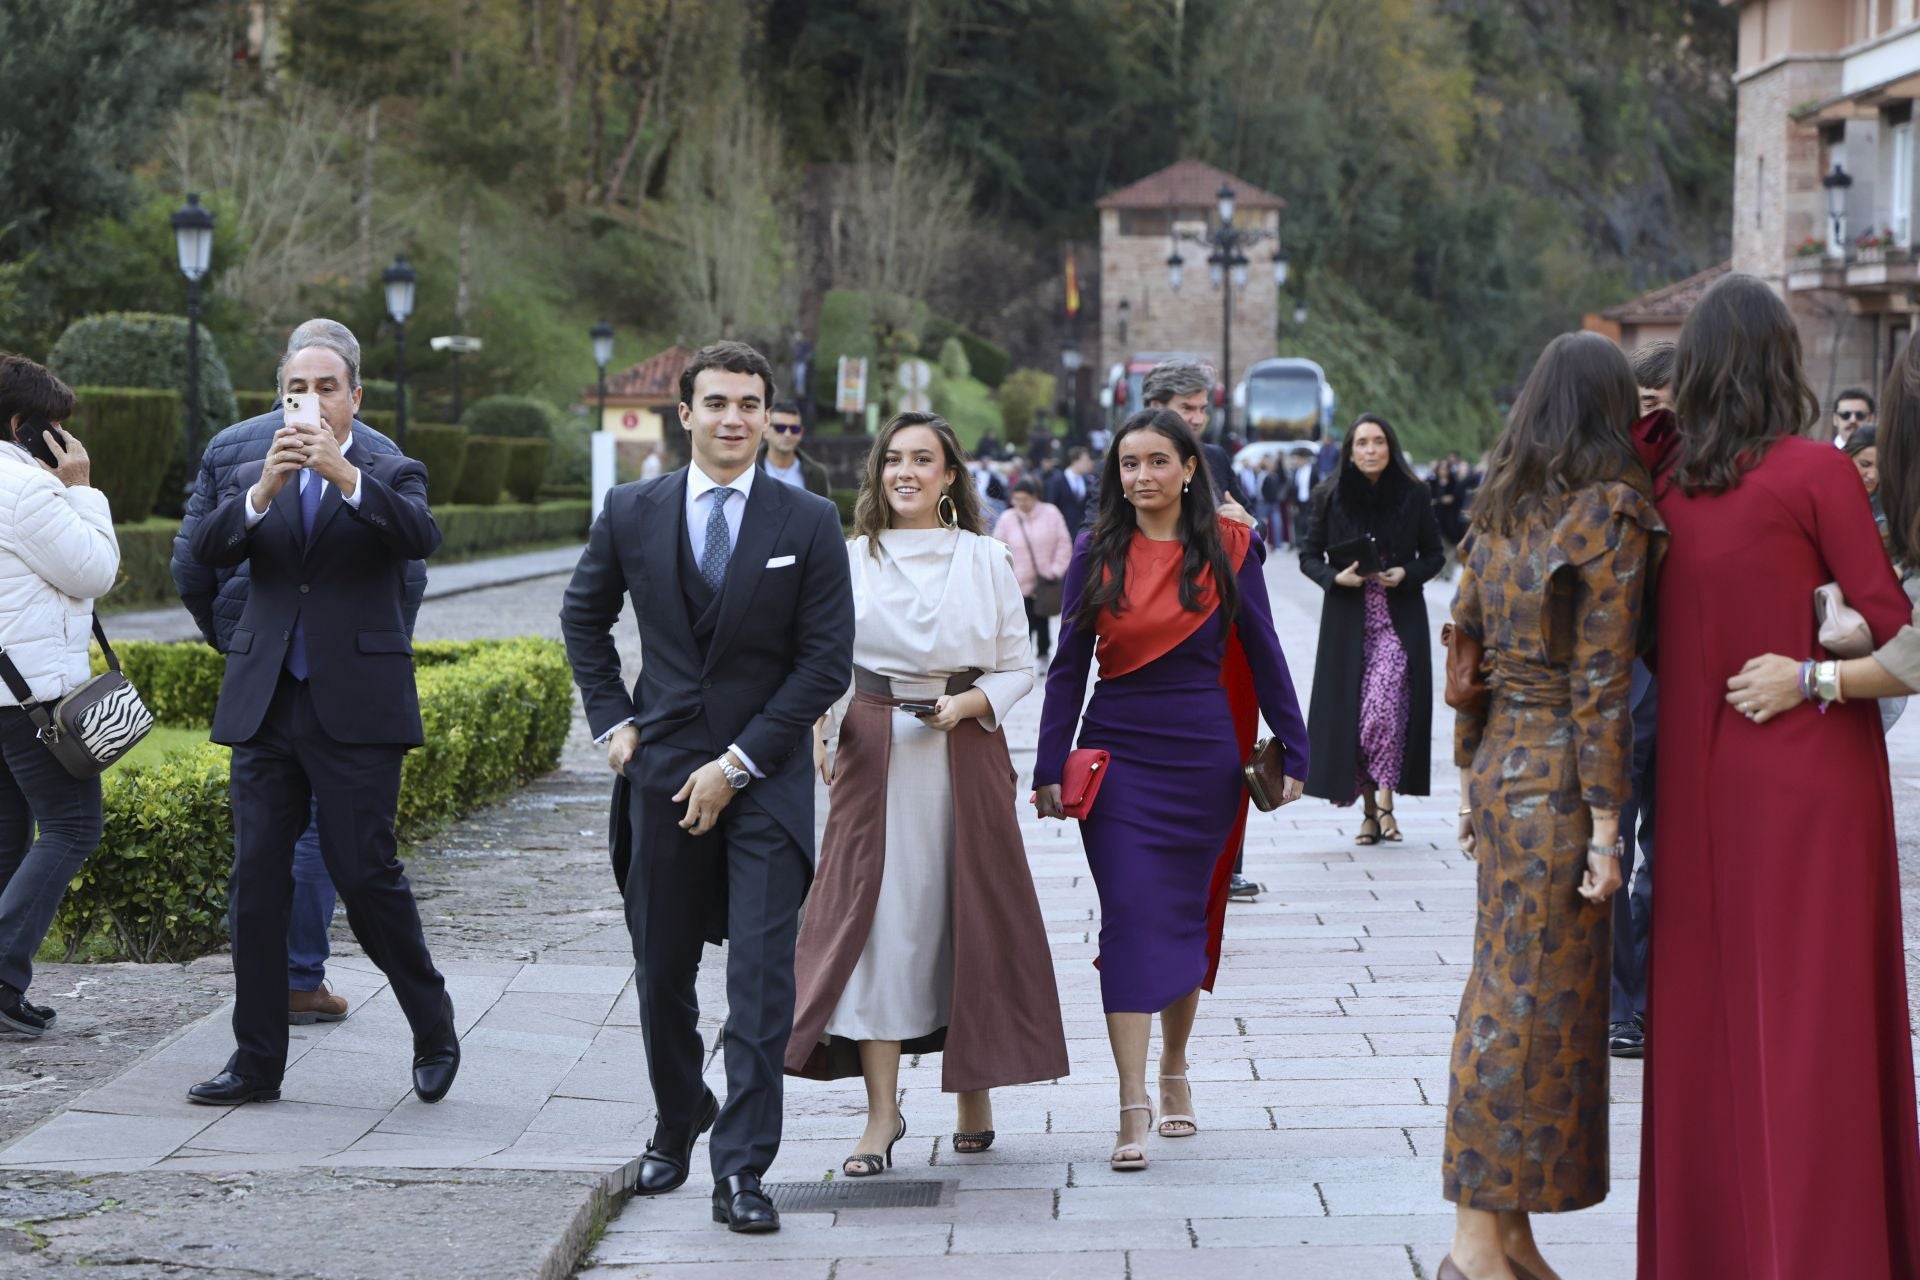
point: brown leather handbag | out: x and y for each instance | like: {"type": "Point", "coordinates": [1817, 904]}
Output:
{"type": "Point", "coordinates": [1466, 671]}
{"type": "Point", "coordinates": [1267, 775]}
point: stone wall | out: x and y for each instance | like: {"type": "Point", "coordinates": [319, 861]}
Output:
{"type": "Point", "coordinates": [1134, 267]}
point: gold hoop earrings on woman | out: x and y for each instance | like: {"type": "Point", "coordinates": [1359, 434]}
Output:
{"type": "Point", "coordinates": [949, 511]}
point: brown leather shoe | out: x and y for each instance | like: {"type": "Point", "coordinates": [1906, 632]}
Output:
{"type": "Point", "coordinates": [320, 1005]}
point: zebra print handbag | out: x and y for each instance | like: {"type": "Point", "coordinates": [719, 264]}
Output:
{"type": "Point", "coordinates": [92, 727]}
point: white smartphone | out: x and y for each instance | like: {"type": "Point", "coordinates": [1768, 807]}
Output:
{"type": "Point", "coordinates": [301, 408]}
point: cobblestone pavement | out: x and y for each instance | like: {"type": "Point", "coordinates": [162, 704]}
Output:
{"type": "Point", "coordinates": [1318, 1078]}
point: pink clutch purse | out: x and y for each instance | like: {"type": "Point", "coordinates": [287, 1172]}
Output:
{"type": "Point", "coordinates": [1843, 631]}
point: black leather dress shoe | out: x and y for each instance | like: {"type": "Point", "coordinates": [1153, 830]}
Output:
{"type": "Point", "coordinates": [1628, 1039]}
{"type": "Point", "coordinates": [436, 1058]}
{"type": "Point", "coordinates": [664, 1167]}
{"type": "Point", "coordinates": [741, 1204]}
{"type": "Point", "coordinates": [230, 1089]}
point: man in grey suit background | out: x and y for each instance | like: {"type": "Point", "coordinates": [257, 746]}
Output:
{"type": "Point", "coordinates": [741, 590]}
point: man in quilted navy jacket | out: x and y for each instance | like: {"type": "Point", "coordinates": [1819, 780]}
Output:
{"type": "Point", "coordinates": [216, 598]}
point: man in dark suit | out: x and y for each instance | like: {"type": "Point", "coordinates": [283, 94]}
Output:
{"type": "Point", "coordinates": [745, 608]}
{"type": "Point", "coordinates": [1072, 489]}
{"type": "Point", "coordinates": [318, 703]}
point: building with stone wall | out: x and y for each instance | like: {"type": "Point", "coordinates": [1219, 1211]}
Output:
{"type": "Point", "coordinates": [1137, 226]}
{"type": "Point", "coordinates": [1825, 100]}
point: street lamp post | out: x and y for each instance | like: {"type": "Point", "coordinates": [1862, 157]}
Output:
{"type": "Point", "coordinates": [602, 334]}
{"type": "Point", "coordinates": [193, 242]}
{"type": "Point", "coordinates": [399, 280]}
{"type": "Point", "coordinates": [1227, 269]}
{"type": "Point", "coordinates": [1837, 184]}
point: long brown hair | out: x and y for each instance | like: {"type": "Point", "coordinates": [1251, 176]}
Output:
{"type": "Point", "coordinates": [1898, 440]}
{"type": "Point", "coordinates": [1738, 385]}
{"type": "Point", "coordinates": [1114, 526]}
{"type": "Point", "coordinates": [1571, 427]}
{"type": "Point", "coordinates": [872, 512]}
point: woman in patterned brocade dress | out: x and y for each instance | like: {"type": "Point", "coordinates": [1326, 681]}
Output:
{"type": "Point", "coordinates": [1556, 571]}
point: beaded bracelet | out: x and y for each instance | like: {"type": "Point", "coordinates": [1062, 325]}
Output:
{"type": "Point", "coordinates": [1806, 681]}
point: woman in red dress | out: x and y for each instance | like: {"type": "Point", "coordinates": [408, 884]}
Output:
{"type": "Point", "coordinates": [1779, 1130]}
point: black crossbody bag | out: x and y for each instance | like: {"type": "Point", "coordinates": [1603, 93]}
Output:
{"type": "Point", "coordinates": [92, 727]}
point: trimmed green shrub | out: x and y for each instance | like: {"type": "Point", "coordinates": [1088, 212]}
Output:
{"type": "Point", "coordinates": [571, 461]}
{"type": "Point", "coordinates": [988, 361]}
{"type": "Point", "coordinates": [484, 475]}
{"type": "Point", "coordinates": [1024, 393]}
{"type": "Point", "coordinates": [178, 682]}
{"type": "Point", "coordinates": [443, 448]}
{"type": "Point", "coordinates": [146, 549]}
{"type": "Point", "coordinates": [527, 468]}
{"type": "Point", "coordinates": [496, 714]}
{"type": "Point", "coordinates": [967, 404]}
{"type": "Point", "coordinates": [382, 420]}
{"type": "Point", "coordinates": [380, 395]}
{"type": "Point", "coordinates": [130, 433]}
{"type": "Point", "coordinates": [520, 417]}
{"type": "Point", "coordinates": [845, 499]}
{"type": "Point", "coordinates": [566, 492]}
{"type": "Point", "coordinates": [251, 404]}
{"type": "Point", "coordinates": [140, 349]}
{"type": "Point", "coordinates": [467, 531]}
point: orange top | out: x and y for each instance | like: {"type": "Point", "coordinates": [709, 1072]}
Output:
{"type": "Point", "coordinates": [1154, 622]}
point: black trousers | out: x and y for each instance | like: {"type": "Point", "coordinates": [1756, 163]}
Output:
{"type": "Point", "coordinates": [1633, 904]}
{"type": "Point", "coordinates": [277, 776]}
{"type": "Point", "coordinates": [764, 874]}
{"type": "Point", "coordinates": [1041, 626]}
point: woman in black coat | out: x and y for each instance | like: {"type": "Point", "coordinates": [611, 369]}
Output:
{"type": "Point", "coordinates": [1371, 725]}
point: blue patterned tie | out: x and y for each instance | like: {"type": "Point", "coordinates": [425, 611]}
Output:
{"type": "Point", "coordinates": [713, 558]}
{"type": "Point", "coordinates": [312, 489]}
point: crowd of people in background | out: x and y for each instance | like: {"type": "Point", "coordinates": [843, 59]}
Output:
{"type": "Point", "coordinates": [1669, 549]}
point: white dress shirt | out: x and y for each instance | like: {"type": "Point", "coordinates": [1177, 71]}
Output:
{"type": "Point", "coordinates": [700, 487]}
{"type": "Point", "coordinates": [308, 476]}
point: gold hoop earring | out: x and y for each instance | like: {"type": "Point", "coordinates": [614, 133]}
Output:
{"type": "Point", "coordinates": [949, 510]}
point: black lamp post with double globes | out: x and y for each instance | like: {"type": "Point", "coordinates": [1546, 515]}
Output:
{"type": "Point", "coordinates": [400, 281]}
{"type": "Point", "coordinates": [1227, 268]}
{"type": "Point", "coordinates": [193, 242]}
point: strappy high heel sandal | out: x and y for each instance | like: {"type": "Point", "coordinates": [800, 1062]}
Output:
{"type": "Point", "coordinates": [1370, 825]}
{"type": "Point", "coordinates": [1174, 1118]}
{"type": "Point", "coordinates": [1130, 1157]}
{"type": "Point", "coordinates": [972, 1144]}
{"type": "Point", "coordinates": [862, 1164]}
{"type": "Point", "coordinates": [1391, 834]}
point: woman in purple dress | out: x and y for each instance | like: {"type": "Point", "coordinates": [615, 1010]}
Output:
{"type": "Point", "coordinates": [1171, 599]}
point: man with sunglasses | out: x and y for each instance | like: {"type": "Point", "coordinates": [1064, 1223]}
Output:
{"type": "Point", "coordinates": [1853, 410]}
{"type": "Point", "coordinates": [780, 456]}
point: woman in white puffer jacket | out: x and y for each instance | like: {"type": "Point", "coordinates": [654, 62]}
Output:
{"type": "Point", "coordinates": [57, 552]}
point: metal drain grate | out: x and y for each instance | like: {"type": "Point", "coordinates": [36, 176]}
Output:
{"type": "Point", "coordinates": [875, 1193]}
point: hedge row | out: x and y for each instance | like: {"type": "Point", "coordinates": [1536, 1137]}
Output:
{"type": "Point", "coordinates": [496, 713]}
{"type": "Point", "coordinates": [146, 548]}
{"type": "Point", "coordinates": [131, 434]}
{"type": "Point", "coordinates": [484, 474]}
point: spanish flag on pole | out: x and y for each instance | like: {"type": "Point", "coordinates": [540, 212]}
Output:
{"type": "Point", "coordinates": [1073, 285]}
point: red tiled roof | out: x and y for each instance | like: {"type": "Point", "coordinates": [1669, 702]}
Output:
{"type": "Point", "coordinates": [1669, 302]}
{"type": "Point", "coordinates": [657, 378]}
{"type": "Point", "coordinates": [1188, 184]}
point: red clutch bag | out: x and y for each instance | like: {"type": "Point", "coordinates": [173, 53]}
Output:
{"type": "Point", "coordinates": [1080, 780]}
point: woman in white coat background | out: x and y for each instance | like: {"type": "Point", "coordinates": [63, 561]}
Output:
{"type": "Point", "coordinates": [57, 551]}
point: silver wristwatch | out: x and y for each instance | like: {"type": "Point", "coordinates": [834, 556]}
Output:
{"type": "Point", "coordinates": [737, 778]}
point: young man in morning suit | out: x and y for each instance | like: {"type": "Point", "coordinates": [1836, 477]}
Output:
{"type": "Point", "coordinates": [741, 589]}
{"type": "Point", "coordinates": [318, 702]}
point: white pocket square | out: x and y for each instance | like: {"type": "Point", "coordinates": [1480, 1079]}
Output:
{"type": "Point", "coordinates": [779, 562]}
